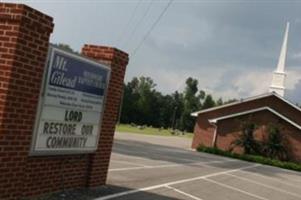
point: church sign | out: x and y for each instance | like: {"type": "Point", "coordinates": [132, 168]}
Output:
{"type": "Point", "coordinates": [71, 105]}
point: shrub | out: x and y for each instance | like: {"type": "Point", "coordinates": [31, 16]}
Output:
{"type": "Point", "coordinates": [246, 139]}
{"type": "Point", "coordinates": [251, 158]}
{"type": "Point", "coordinates": [274, 146]}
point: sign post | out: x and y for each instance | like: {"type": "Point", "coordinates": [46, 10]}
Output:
{"type": "Point", "coordinates": [71, 105]}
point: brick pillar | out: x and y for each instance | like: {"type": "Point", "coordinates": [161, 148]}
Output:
{"type": "Point", "coordinates": [118, 61]}
{"type": "Point", "coordinates": [24, 36]}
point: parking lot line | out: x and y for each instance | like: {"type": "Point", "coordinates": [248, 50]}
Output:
{"type": "Point", "coordinates": [236, 189]}
{"type": "Point", "coordinates": [129, 163]}
{"type": "Point", "coordinates": [126, 169]}
{"type": "Point", "coordinates": [178, 159]}
{"type": "Point", "coordinates": [283, 170]}
{"type": "Point", "coordinates": [264, 185]}
{"type": "Point", "coordinates": [183, 193]}
{"type": "Point", "coordinates": [152, 167]}
{"type": "Point", "coordinates": [287, 171]}
{"type": "Point", "coordinates": [165, 156]}
{"type": "Point", "coordinates": [173, 183]}
{"type": "Point", "coordinates": [166, 165]}
{"type": "Point", "coordinates": [270, 178]}
{"type": "Point", "coordinates": [135, 158]}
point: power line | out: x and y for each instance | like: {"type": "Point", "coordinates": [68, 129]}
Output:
{"type": "Point", "coordinates": [138, 24]}
{"type": "Point", "coordinates": [152, 27]}
{"type": "Point", "coordinates": [129, 22]}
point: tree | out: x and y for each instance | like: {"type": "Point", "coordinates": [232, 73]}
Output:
{"type": "Point", "coordinates": [130, 112]}
{"type": "Point", "coordinates": [166, 110]}
{"type": "Point", "coordinates": [246, 139]}
{"type": "Point", "coordinates": [208, 102]}
{"type": "Point", "coordinates": [143, 105]}
{"type": "Point", "coordinates": [274, 146]}
{"type": "Point", "coordinates": [178, 105]}
{"type": "Point", "coordinates": [145, 90]}
{"type": "Point", "coordinates": [191, 103]}
{"type": "Point", "coordinates": [219, 102]}
{"type": "Point", "coordinates": [230, 101]}
{"type": "Point", "coordinates": [66, 47]}
{"type": "Point", "coordinates": [202, 94]}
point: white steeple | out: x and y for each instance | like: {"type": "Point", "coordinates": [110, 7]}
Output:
{"type": "Point", "coordinates": [278, 81]}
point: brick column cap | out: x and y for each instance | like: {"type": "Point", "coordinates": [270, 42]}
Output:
{"type": "Point", "coordinates": [23, 14]}
{"type": "Point", "coordinates": [105, 53]}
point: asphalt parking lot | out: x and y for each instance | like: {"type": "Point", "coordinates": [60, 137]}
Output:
{"type": "Point", "coordinates": [156, 167]}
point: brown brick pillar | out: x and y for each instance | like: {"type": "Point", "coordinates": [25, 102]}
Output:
{"type": "Point", "coordinates": [24, 36]}
{"type": "Point", "coordinates": [118, 61]}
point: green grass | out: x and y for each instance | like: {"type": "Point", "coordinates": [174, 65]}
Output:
{"type": "Point", "coordinates": [252, 158]}
{"type": "Point", "coordinates": [149, 131]}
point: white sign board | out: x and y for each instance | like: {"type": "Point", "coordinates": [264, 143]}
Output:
{"type": "Point", "coordinates": [71, 105]}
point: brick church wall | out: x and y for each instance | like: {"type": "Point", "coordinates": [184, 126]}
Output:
{"type": "Point", "coordinates": [228, 130]}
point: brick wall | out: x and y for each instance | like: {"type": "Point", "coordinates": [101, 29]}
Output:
{"type": "Point", "coordinates": [24, 41]}
{"type": "Point", "coordinates": [118, 61]}
{"type": "Point", "coordinates": [24, 35]}
{"type": "Point", "coordinates": [229, 129]}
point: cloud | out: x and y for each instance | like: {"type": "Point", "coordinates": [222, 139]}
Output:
{"type": "Point", "coordinates": [231, 48]}
{"type": "Point", "coordinates": [293, 83]}
{"type": "Point", "coordinates": [242, 83]}
{"type": "Point", "coordinates": [295, 94]}
{"type": "Point", "coordinates": [245, 83]}
{"type": "Point", "coordinates": [172, 79]}
{"type": "Point", "coordinates": [296, 55]}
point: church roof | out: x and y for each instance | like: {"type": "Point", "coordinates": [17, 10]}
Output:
{"type": "Point", "coordinates": [215, 120]}
{"type": "Point", "coordinates": [195, 114]}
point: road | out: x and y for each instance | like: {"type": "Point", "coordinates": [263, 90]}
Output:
{"type": "Point", "coordinates": [161, 168]}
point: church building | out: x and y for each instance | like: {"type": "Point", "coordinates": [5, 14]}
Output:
{"type": "Point", "coordinates": [221, 126]}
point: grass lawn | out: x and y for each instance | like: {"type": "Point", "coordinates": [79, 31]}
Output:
{"type": "Point", "coordinates": [148, 131]}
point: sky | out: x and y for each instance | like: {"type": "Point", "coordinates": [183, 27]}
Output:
{"type": "Point", "coordinates": [231, 47]}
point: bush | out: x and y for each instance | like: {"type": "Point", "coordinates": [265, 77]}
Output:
{"type": "Point", "coordinates": [246, 139]}
{"type": "Point", "coordinates": [252, 158]}
{"type": "Point", "coordinates": [274, 147]}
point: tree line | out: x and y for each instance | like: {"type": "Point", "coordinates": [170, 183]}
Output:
{"type": "Point", "coordinates": [142, 104]}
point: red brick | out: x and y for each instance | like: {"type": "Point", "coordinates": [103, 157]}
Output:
{"type": "Point", "coordinates": [229, 129]}
{"type": "Point", "coordinates": [25, 36]}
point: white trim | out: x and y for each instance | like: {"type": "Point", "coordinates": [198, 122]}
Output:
{"type": "Point", "coordinates": [235, 189]}
{"type": "Point", "coordinates": [129, 163]}
{"type": "Point", "coordinates": [274, 179]}
{"type": "Point", "coordinates": [277, 87]}
{"type": "Point", "coordinates": [214, 135]}
{"type": "Point", "coordinates": [183, 193]}
{"type": "Point", "coordinates": [255, 110]}
{"type": "Point", "coordinates": [277, 72]}
{"type": "Point", "coordinates": [287, 101]}
{"type": "Point", "coordinates": [195, 114]}
{"type": "Point", "coordinates": [167, 165]}
{"type": "Point", "coordinates": [265, 185]}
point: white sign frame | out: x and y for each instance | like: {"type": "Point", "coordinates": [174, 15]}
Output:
{"type": "Point", "coordinates": [33, 150]}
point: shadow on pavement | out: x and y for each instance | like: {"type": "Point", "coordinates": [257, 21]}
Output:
{"type": "Point", "coordinates": [92, 194]}
{"type": "Point", "coordinates": [160, 152]}
{"type": "Point", "coordinates": [271, 171]}
{"type": "Point", "coordinates": [178, 155]}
